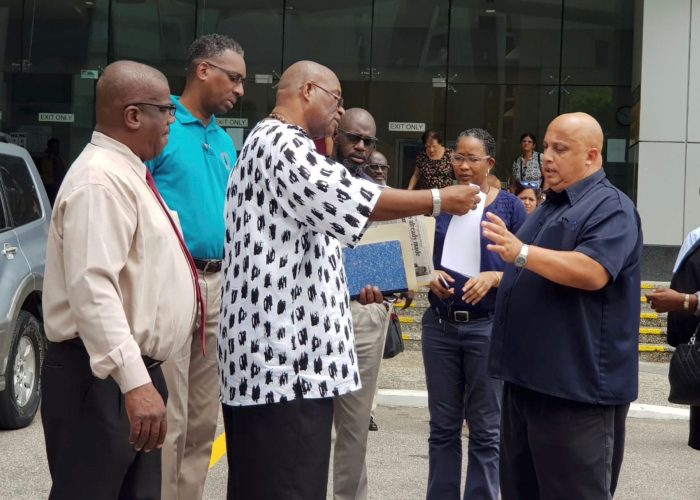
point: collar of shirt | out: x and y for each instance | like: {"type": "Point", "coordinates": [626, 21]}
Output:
{"type": "Point", "coordinates": [104, 141]}
{"type": "Point", "coordinates": [574, 193]}
{"type": "Point", "coordinates": [184, 116]}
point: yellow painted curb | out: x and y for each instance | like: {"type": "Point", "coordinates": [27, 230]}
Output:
{"type": "Point", "coordinates": [399, 305]}
{"type": "Point", "coordinates": [650, 330]}
{"type": "Point", "coordinates": [407, 319]}
{"type": "Point", "coordinates": [218, 450]}
{"type": "Point", "coordinates": [643, 299]}
{"type": "Point", "coordinates": [649, 315]}
{"type": "Point", "coordinates": [648, 286]}
{"type": "Point", "coordinates": [653, 348]}
{"type": "Point", "coordinates": [405, 336]}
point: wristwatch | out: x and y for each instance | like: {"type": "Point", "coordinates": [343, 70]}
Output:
{"type": "Point", "coordinates": [521, 259]}
{"type": "Point", "coordinates": [436, 202]}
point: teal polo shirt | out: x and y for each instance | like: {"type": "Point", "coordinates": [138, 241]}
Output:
{"type": "Point", "coordinates": [191, 174]}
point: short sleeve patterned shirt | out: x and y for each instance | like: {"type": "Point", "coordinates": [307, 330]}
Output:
{"type": "Point", "coordinates": [435, 173]}
{"type": "Point", "coordinates": [286, 329]}
{"type": "Point", "coordinates": [529, 171]}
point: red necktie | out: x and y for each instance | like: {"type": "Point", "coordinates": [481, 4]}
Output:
{"type": "Point", "coordinates": [200, 300]}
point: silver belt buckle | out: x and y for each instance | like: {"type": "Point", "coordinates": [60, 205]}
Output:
{"type": "Point", "coordinates": [461, 316]}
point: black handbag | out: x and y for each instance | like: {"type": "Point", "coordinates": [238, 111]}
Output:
{"type": "Point", "coordinates": [394, 338]}
{"type": "Point", "coordinates": [684, 373]}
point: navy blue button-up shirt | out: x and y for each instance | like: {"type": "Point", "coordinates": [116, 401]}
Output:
{"type": "Point", "coordinates": [567, 342]}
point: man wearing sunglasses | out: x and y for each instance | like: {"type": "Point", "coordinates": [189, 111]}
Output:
{"type": "Point", "coordinates": [355, 141]}
{"type": "Point", "coordinates": [191, 174]}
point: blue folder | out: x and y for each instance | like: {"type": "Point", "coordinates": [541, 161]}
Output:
{"type": "Point", "coordinates": [378, 264]}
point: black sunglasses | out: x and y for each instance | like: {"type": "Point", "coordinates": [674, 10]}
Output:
{"type": "Point", "coordinates": [369, 142]}
{"type": "Point", "coordinates": [165, 108]}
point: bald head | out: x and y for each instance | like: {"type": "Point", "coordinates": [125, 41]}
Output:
{"type": "Point", "coordinates": [572, 150]}
{"type": "Point", "coordinates": [355, 119]}
{"type": "Point", "coordinates": [309, 95]}
{"type": "Point", "coordinates": [581, 127]}
{"type": "Point", "coordinates": [377, 167]}
{"type": "Point", "coordinates": [301, 72]}
{"type": "Point", "coordinates": [133, 107]}
{"type": "Point", "coordinates": [123, 83]}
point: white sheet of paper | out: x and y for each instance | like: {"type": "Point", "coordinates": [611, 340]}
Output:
{"type": "Point", "coordinates": [462, 249]}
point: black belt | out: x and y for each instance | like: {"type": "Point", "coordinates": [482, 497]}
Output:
{"type": "Point", "coordinates": [208, 265]}
{"type": "Point", "coordinates": [461, 316]}
{"type": "Point", "coordinates": [147, 360]}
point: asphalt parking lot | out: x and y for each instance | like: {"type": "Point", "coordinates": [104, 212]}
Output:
{"type": "Point", "coordinates": [658, 464]}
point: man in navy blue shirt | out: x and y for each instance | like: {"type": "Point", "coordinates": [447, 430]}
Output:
{"type": "Point", "coordinates": [566, 325]}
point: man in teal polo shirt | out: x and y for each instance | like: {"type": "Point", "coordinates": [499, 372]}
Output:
{"type": "Point", "coordinates": [191, 175]}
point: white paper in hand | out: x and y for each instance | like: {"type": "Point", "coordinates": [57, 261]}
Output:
{"type": "Point", "coordinates": [462, 249]}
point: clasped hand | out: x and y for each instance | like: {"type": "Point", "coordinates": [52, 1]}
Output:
{"type": "Point", "coordinates": [473, 290]}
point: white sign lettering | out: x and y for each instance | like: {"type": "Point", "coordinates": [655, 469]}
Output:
{"type": "Point", "coordinates": [89, 74]}
{"type": "Point", "coordinates": [406, 127]}
{"type": "Point", "coordinates": [232, 122]}
{"type": "Point", "coordinates": [57, 117]}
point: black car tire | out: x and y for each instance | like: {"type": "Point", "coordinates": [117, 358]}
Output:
{"type": "Point", "coordinates": [13, 415]}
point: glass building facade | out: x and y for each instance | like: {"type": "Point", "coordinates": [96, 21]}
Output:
{"type": "Point", "coordinates": [509, 66]}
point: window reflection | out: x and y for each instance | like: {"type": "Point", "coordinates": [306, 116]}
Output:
{"type": "Point", "coordinates": [156, 33]}
{"type": "Point", "coordinates": [337, 35]}
{"type": "Point", "coordinates": [410, 40]}
{"type": "Point", "coordinates": [505, 42]}
{"type": "Point", "coordinates": [256, 25]}
{"type": "Point", "coordinates": [597, 42]}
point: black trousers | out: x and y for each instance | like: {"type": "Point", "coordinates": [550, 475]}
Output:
{"type": "Point", "coordinates": [86, 430]}
{"type": "Point", "coordinates": [279, 451]}
{"type": "Point", "coordinates": [553, 448]}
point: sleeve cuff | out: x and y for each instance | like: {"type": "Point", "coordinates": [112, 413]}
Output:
{"type": "Point", "coordinates": [697, 308]}
{"type": "Point", "coordinates": [130, 371]}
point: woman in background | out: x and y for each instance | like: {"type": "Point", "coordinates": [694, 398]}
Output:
{"type": "Point", "coordinates": [433, 169]}
{"type": "Point", "coordinates": [529, 196]}
{"type": "Point", "coordinates": [527, 168]}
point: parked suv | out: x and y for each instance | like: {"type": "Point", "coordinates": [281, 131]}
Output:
{"type": "Point", "coordinates": [25, 213]}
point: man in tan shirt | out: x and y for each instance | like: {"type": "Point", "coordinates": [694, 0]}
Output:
{"type": "Point", "coordinates": [119, 298]}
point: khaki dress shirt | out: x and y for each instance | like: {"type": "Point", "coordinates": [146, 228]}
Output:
{"type": "Point", "coordinates": [116, 275]}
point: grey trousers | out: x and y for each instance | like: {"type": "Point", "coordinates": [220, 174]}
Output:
{"type": "Point", "coordinates": [351, 412]}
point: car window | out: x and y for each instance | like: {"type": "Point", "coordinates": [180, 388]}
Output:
{"type": "Point", "coordinates": [20, 194]}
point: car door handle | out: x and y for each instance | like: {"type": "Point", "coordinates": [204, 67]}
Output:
{"type": "Point", "coordinates": [9, 251]}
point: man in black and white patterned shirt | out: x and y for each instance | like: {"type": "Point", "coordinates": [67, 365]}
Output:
{"type": "Point", "coordinates": [286, 344]}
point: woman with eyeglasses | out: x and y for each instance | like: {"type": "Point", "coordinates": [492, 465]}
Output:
{"type": "Point", "coordinates": [433, 169]}
{"type": "Point", "coordinates": [456, 340]}
{"type": "Point", "coordinates": [527, 168]}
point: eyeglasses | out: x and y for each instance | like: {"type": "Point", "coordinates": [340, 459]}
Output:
{"type": "Point", "coordinates": [530, 184]}
{"type": "Point", "coordinates": [165, 108]}
{"type": "Point", "coordinates": [370, 142]}
{"type": "Point", "coordinates": [234, 76]}
{"type": "Point", "coordinates": [339, 99]}
{"type": "Point", "coordinates": [457, 159]}
{"type": "Point", "coordinates": [377, 167]}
